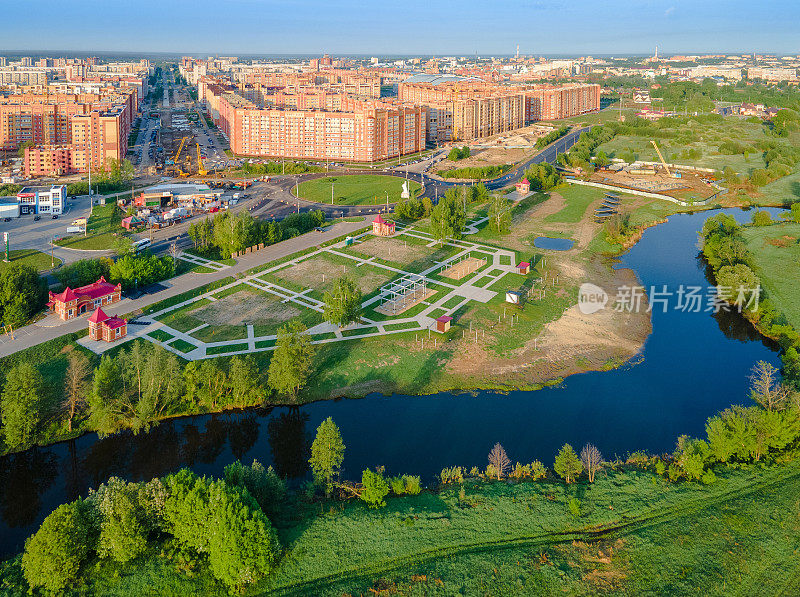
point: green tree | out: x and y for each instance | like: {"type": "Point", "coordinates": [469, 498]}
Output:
{"type": "Point", "coordinates": [76, 385]}
{"type": "Point", "coordinates": [500, 214]}
{"type": "Point", "coordinates": [21, 404]}
{"type": "Point", "coordinates": [292, 360]}
{"type": "Point", "coordinates": [762, 218]}
{"type": "Point", "coordinates": [327, 453]}
{"type": "Point", "coordinates": [342, 302]}
{"type": "Point", "coordinates": [83, 271]}
{"type": "Point", "coordinates": [22, 147]}
{"type": "Point", "coordinates": [448, 217]}
{"type": "Point", "coordinates": [375, 489]}
{"type": "Point", "coordinates": [243, 379]}
{"type": "Point", "coordinates": [795, 211]}
{"type": "Point", "coordinates": [54, 554]}
{"type": "Point", "coordinates": [738, 284]}
{"type": "Point", "coordinates": [22, 294]}
{"type": "Point", "coordinates": [264, 484]}
{"type": "Point", "coordinates": [123, 530]}
{"type": "Point", "coordinates": [567, 464]}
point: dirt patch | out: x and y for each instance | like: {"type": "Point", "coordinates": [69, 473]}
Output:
{"type": "Point", "coordinates": [392, 249]}
{"type": "Point", "coordinates": [463, 268]}
{"type": "Point", "coordinates": [320, 273]}
{"type": "Point", "coordinates": [783, 241]}
{"type": "Point", "coordinates": [247, 307]}
{"type": "Point", "coordinates": [573, 343]}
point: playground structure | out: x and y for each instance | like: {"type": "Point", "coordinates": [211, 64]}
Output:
{"type": "Point", "coordinates": [459, 267]}
{"type": "Point", "coordinates": [402, 294]}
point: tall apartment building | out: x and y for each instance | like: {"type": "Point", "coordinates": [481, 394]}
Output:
{"type": "Point", "coordinates": [562, 101]}
{"type": "Point", "coordinates": [361, 131]}
{"type": "Point", "coordinates": [462, 109]}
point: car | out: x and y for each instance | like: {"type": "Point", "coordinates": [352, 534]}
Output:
{"type": "Point", "coordinates": [55, 216]}
{"type": "Point", "coordinates": [37, 218]}
{"type": "Point", "coordinates": [318, 229]}
{"type": "Point", "coordinates": [6, 219]}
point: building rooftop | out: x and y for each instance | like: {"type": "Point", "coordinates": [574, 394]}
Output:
{"type": "Point", "coordinates": [439, 79]}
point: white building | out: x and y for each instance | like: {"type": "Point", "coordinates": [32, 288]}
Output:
{"type": "Point", "coordinates": [42, 200]}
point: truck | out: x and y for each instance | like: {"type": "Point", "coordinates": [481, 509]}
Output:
{"type": "Point", "coordinates": [74, 229]}
{"type": "Point", "coordinates": [79, 222]}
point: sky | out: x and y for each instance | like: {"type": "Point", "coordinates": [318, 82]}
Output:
{"type": "Point", "coordinates": [388, 27]}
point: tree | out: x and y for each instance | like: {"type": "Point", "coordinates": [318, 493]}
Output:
{"type": "Point", "coordinates": [83, 271]}
{"type": "Point", "coordinates": [601, 160]}
{"type": "Point", "coordinates": [795, 211]}
{"type": "Point", "coordinates": [22, 294]}
{"type": "Point", "coordinates": [76, 385]}
{"type": "Point", "coordinates": [498, 459]}
{"type": "Point", "coordinates": [762, 218]}
{"type": "Point", "coordinates": [500, 214]}
{"type": "Point", "coordinates": [592, 460]}
{"type": "Point", "coordinates": [448, 217]}
{"type": "Point", "coordinates": [243, 379]}
{"type": "Point", "coordinates": [21, 404]}
{"type": "Point", "coordinates": [567, 465]}
{"type": "Point", "coordinates": [264, 484]}
{"type": "Point", "coordinates": [327, 453]}
{"type": "Point", "coordinates": [291, 362]}
{"type": "Point", "coordinates": [54, 554]}
{"type": "Point", "coordinates": [375, 489]}
{"type": "Point", "coordinates": [22, 147]}
{"type": "Point", "coordinates": [123, 530]}
{"type": "Point", "coordinates": [738, 284]}
{"type": "Point", "coordinates": [342, 302]}
{"type": "Point", "coordinates": [766, 389]}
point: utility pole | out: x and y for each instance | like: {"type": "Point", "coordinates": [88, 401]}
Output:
{"type": "Point", "coordinates": [332, 182]}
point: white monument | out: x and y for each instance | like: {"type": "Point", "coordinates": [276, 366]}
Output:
{"type": "Point", "coordinates": [404, 193]}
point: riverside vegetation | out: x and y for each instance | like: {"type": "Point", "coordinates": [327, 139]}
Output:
{"type": "Point", "coordinates": [589, 525]}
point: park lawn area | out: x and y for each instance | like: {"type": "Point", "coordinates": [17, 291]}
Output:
{"type": "Point", "coordinates": [783, 191]}
{"type": "Point", "coordinates": [358, 189]}
{"type": "Point", "coordinates": [321, 271]}
{"type": "Point", "coordinates": [405, 252]}
{"type": "Point", "coordinates": [36, 259]}
{"type": "Point", "coordinates": [578, 198]}
{"type": "Point", "coordinates": [103, 228]}
{"type": "Point", "coordinates": [181, 320]}
{"type": "Point", "coordinates": [226, 348]}
{"type": "Point", "coordinates": [182, 345]}
{"type": "Point", "coordinates": [160, 335]}
{"type": "Point", "coordinates": [93, 242]}
{"type": "Point", "coordinates": [777, 265]}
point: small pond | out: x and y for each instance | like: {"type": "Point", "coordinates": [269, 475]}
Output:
{"type": "Point", "coordinates": [553, 244]}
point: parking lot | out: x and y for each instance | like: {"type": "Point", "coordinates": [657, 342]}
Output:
{"type": "Point", "coordinates": [29, 233]}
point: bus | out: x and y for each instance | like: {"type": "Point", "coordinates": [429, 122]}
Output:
{"type": "Point", "coordinates": [140, 245]}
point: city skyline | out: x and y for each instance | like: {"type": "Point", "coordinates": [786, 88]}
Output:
{"type": "Point", "coordinates": [415, 27]}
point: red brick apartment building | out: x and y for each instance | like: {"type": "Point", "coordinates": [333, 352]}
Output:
{"type": "Point", "coordinates": [562, 101]}
{"type": "Point", "coordinates": [358, 129]}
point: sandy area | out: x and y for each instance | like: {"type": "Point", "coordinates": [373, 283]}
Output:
{"type": "Point", "coordinates": [246, 306]}
{"type": "Point", "coordinates": [392, 249]}
{"type": "Point", "coordinates": [464, 268]}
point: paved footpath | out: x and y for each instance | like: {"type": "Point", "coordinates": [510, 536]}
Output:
{"type": "Point", "coordinates": [51, 327]}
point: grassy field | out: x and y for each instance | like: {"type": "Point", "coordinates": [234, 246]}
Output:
{"type": "Point", "coordinates": [777, 263]}
{"type": "Point", "coordinates": [631, 532]}
{"type": "Point", "coordinates": [36, 259]}
{"type": "Point", "coordinates": [102, 230]}
{"type": "Point", "coordinates": [366, 189]}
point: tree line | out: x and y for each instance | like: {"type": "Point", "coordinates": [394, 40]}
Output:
{"type": "Point", "coordinates": [227, 233]}
{"type": "Point", "coordinates": [555, 135]}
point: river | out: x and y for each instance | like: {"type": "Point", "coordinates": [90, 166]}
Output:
{"type": "Point", "coordinates": [692, 366]}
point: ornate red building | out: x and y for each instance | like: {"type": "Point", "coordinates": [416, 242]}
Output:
{"type": "Point", "coordinates": [72, 303]}
{"type": "Point", "coordinates": [103, 327]}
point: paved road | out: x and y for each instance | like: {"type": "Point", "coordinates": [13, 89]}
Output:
{"type": "Point", "coordinates": [37, 333]}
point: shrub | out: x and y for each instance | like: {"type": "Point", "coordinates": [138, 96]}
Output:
{"type": "Point", "coordinates": [533, 471]}
{"type": "Point", "coordinates": [375, 489]}
{"type": "Point", "coordinates": [574, 507]}
{"type": "Point", "coordinates": [453, 474]}
{"type": "Point", "coordinates": [412, 484]}
{"type": "Point", "coordinates": [54, 554]}
{"type": "Point", "coordinates": [762, 218]}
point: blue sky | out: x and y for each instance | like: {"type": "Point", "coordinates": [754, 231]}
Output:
{"type": "Point", "coordinates": [386, 27]}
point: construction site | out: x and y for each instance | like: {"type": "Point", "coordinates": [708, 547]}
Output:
{"type": "Point", "coordinates": [673, 180]}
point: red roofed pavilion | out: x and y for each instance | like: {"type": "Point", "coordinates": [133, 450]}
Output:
{"type": "Point", "coordinates": [523, 186]}
{"type": "Point", "coordinates": [381, 227]}
{"type": "Point", "coordinates": [72, 303]}
{"type": "Point", "coordinates": [103, 327]}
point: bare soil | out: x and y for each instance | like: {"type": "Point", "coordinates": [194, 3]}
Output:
{"type": "Point", "coordinates": [247, 307]}
{"type": "Point", "coordinates": [320, 274]}
{"type": "Point", "coordinates": [392, 249]}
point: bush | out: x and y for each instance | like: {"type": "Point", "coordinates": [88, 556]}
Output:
{"type": "Point", "coordinates": [762, 218]}
{"type": "Point", "coordinates": [54, 554]}
{"type": "Point", "coordinates": [476, 172]}
{"type": "Point", "coordinates": [458, 153]}
{"type": "Point", "coordinates": [123, 531]}
{"type": "Point", "coordinates": [453, 474]}
{"type": "Point", "coordinates": [533, 471]}
{"type": "Point", "coordinates": [375, 489]}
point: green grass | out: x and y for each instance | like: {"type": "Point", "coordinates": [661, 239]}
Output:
{"type": "Point", "coordinates": [182, 345]}
{"type": "Point", "coordinates": [160, 335]}
{"type": "Point", "coordinates": [778, 267]}
{"type": "Point", "coordinates": [358, 189]}
{"type": "Point", "coordinates": [189, 294]}
{"type": "Point", "coordinates": [31, 257]}
{"type": "Point", "coordinates": [578, 198]}
{"type": "Point", "coordinates": [180, 319]}
{"type": "Point", "coordinates": [407, 325]}
{"type": "Point", "coordinates": [102, 229]}
{"type": "Point", "coordinates": [220, 333]}
{"type": "Point", "coordinates": [93, 242]}
{"type": "Point", "coordinates": [226, 348]}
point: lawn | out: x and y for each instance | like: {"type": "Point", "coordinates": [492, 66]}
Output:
{"type": "Point", "coordinates": [578, 198]}
{"type": "Point", "coordinates": [103, 229]}
{"type": "Point", "coordinates": [366, 189]}
{"type": "Point", "coordinates": [35, 259]}
{"type": "Point", "coordinates": [777, 262]}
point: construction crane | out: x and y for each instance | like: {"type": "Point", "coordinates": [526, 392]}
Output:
{"type": "Point", "coordinates": [200, 169]}
{"type": "Point", "coordinates": [661, 157]}
{"type": "Point", "coordinates": [180, 149]}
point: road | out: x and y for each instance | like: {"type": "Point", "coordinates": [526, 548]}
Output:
{"type": "Point", "coordinates": [37, 333]}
